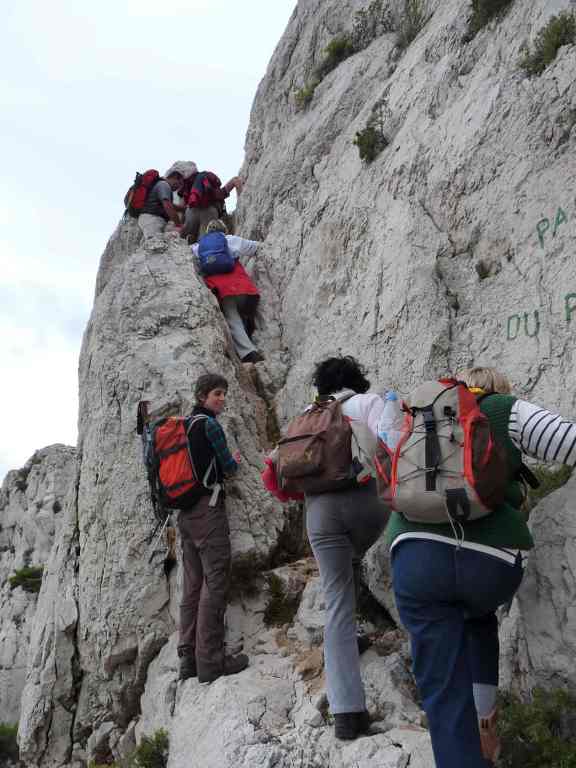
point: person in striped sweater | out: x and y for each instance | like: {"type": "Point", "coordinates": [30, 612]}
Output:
{"type": "Point", "coordinates": [448, 589]}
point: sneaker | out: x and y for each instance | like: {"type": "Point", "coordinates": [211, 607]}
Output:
{"type": "Point", "coordinates": [489, 739]}
{"type": "Point", "coordinates": [232, 665]}
{"type": "Point", "coordinates": [253, 357]}
{"type": "Point", "coordinates": [350, 725]}
{"type": "Point", "coordinates": [187, 667]}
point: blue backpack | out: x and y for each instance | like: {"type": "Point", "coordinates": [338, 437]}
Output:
{"type": "Point", "coordinates": [214, 255]}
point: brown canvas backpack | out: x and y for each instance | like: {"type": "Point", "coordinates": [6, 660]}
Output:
{"type": "Point", "coordinates": [315, 455]}
{"type": "Point", "coordinates": [447, 464]}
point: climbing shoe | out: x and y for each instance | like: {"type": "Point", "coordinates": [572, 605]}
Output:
{"type": "Point", "coordinates": [364, 643]}
{"type": "Point", "coordinates": [187, 667]}
{"type": "Point", "coordinates": [253, 357]}
{"type": "Point", "coordinates": [350, 725]}
{"type": "Point", "coordinates": [232, 665]}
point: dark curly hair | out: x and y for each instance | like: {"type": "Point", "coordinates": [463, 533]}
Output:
{"type": "Point", "coordinates": [336, 373]}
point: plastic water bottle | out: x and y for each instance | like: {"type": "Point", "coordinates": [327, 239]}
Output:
{"type": "Point", "coordinates": [390, 424]}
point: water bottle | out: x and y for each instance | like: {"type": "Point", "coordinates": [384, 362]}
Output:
{"type": "Point", "coordinates": [390, 423]}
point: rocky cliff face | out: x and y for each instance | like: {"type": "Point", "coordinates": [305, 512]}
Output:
{"type": "Point", "coordinates": [31, 513]}
{"type": "Point", "coordinates": [454, 246]}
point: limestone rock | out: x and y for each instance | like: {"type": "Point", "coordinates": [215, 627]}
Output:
{"type": "Point", "coordinates": [31, 503]}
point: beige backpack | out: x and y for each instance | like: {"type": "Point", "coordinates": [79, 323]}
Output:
{"type": "Point", "coordinates": [447, 464]}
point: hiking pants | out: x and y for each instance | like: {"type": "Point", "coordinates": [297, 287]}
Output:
{"type": "Point", "coordinates": [196, 220]}
{"type": "Point", "coordinates": [446, 597]}
{"type": "Point", "coordinates": [342, 526]}
{"type": "Point", "coordinates": [242, 343]}
{"type": "Point", "coordinates": [206, 568]}
{"type": "Point", "coordinates": [151, 225]}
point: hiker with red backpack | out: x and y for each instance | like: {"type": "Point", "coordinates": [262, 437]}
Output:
{"type": "Point", "coordinates": [327, 455]}
{"type": "Point", "coordinates": [205, 202]}
{"type": "Point", "coordinates": [458, 540]}
{"type": "Point", "coordinates": [187, 460]}
{"type": "Point", "coordinates": [218, 255]}
{"type": "Point", "coordinates": [150, 199]}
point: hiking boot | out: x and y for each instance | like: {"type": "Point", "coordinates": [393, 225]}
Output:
{"type": "Point", "coordinates": [364, 643]}
{"type": "Point", "coordinates": [350, 725]}
{"type": "Point", "coordinates": [187, 667]}
{"type": "Point", "coordinates": [489, 739]}
{"type": "Point", "coordinates": [253, 357]}
{"type": "Point", "coordinates": [232, 665]}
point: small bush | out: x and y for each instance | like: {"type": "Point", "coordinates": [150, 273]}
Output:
{"type": "Point", "coordinates": [560, 30]}
{"type": "Point", "coordinates": [29, 578]}
{"type": "Point", "coordinates": [152, 752]}
{"type": "Point", "coordinates": [372, 139]}
{"type": "Point", "coordinates": [337, 51]}
{"type": "Point", "coordinates": [484, 11]}
{"type": "Point", "coordinates": [535, 733]}
{"type": "Point", "coordinates": [370, 23]}
{"type": "Point", "coordinates": [8, 743]}
{"type": "Point", "coordinates": [412, 22]}
{"type": "Point", "coordinates": [551, 478]}
{"type": "Point", "coordinates": [303, 96]}
{"type": "Point", "coordinates": [281, 607]}
{"type": "Point", "coordinates": [244, 577]}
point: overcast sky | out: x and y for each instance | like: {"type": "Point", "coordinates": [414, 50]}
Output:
{"type": "Point", "coordinates": [90, 93]}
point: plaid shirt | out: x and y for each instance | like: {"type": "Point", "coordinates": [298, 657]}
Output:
{"type": "Point", "coordinates": [217, 440]}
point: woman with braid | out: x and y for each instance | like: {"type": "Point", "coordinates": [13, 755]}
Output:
{"type": "Point", "coordinates": [448, 590]}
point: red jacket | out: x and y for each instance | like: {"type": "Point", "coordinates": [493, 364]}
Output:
{"type": "Point", "coordinates": [235, 283]}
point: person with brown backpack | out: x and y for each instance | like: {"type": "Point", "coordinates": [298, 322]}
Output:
{"type": "Point", "coordinates": [458, 539]}
{"type": "Point", "coordinates": [327, 455]}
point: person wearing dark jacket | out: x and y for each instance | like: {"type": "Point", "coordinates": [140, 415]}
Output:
{"type": "Point", "coordinates": [205, 202]}
{"type": "Point", "coordinates": [449, 580]}
{"type": "Point", "coordinates": [205, 536]}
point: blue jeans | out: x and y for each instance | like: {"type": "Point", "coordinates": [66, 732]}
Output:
{"type": "Point", "coordinates": [446, 598]}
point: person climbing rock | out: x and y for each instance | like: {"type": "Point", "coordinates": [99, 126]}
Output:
{"type": "Point", "coordinates": [236, 293]}
{"type": "Point", "coordinates": [342, 525]}
{"type": "Point", "coordinates": [205, 202]}
{"type": "Point", "coordinates": [159, 209]}
{"type": "Point", "coordinates": [205, 537]}
{"type": "Point", "coordinates": [449, 580]}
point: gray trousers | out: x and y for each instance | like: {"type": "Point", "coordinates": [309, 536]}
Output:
{"type": "Point", "coordinates": [151, 225]}
{"type": "Point", "coordinates": [341, 527]}
{"type": "Point", "coordinates": [196, 220]}
{"type": "Point", "coordinates": [242, 343]}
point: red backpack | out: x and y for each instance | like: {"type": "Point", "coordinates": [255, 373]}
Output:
{"type": "Point", "coordinates": [167, 454]}
{"type": "Point", "coordinates": [202, 191]}
{"type": "Point", "coordinates": [135, 198]}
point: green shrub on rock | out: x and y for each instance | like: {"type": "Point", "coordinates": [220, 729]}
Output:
{"type": "Point", "coordinates": [551, 478]}
{"type": "Point", "coordinates": [29, 578]}
{"type": "Point", "coordinates": [537, 733]}
{"type": "Point", "coordinates": [412, 21]}
{"type": "Point", "coordinates": [8, 743]}
{"type": "Point", "coordinates": [484, 11]}
{"type": "Point", "coordinates": [152, 752]}
{"type": "Point", "coordinates": [560, 30]}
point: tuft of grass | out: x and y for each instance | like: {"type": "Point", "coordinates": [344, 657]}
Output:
{"type": "Point", "coordinates": [536, 732]}
{"type": "Point", "coordinates": [29, 578]}
{"type": "Point", "coordinates": [370, 23]}
{"type": "Point", "coordinates": [281, 607]}
{"type": "Point", "coordinates": [338, 50]}
{"type": "Point", "coordinates": [372, 139]}
{"type": "Point", "coordinates": [303, 96]}
{"type": "Point", "coordinates": [483, 11]}
{"type": "Point", "coordinates": [8, 743]}
{"type": "Point", "coordinates": [412, 22]}
{"type": "Point", "coordinates": [560, 30]}
{"type": "Point", "coordinates": [551, 478]}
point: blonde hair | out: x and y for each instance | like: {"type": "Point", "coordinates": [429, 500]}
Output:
{"type": "Point", "coordinates": [488, 379]}
{"type": "Point", "coordinates": [216, 225]}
